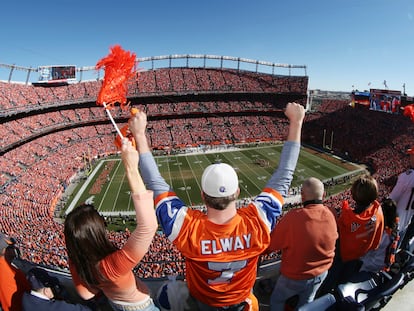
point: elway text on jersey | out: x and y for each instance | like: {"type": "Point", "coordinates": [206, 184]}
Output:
{"type": "Point", "coordinates": [228, 244]}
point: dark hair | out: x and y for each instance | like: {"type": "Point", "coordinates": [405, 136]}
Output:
{"type": "Point", "coordinates": [389, 209]}
{"type": "Point", "coordinates": [39, 278]}
{"type": "Point", "coordinates": [364, 191]}
{"type": "Point", "coordinates": [219, 203]}
{"type": "Point", "coordinates": [11, 252]}
{"type": "Point", "coordinates": [87, 242]}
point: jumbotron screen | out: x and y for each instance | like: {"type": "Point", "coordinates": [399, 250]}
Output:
{"type": "Point", "coordinates": [379, 100]}
{"type": "Point", "coordinates": [385, 100]}
{"type": "Point", "coordinates": [48, 73]}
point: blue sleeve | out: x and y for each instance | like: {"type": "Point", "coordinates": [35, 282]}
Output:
{"type": "Point", "coordinates": [171, 212]}
{"type": "Point", "coordinates": [282, 177]}
{"type": "Point", "coordinates": [170, 209]}
{"type": "Point", "coordinates": [269, 206]}
{"type": "Point", "coordinates": [151, 175]}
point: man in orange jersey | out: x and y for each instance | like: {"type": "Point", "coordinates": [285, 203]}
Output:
{"type": "Point", "coordinates": [221, 246]}
{"type": "Point", "coordinates": [304, 264]}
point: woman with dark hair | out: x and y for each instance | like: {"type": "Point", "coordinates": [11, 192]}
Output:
{"type": "Point", "coordinates": [95, 263]}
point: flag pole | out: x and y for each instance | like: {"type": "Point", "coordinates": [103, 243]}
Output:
{"type": "Point", "coordinates": [113, 121]}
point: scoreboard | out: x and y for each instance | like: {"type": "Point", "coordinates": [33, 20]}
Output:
{"type": "Point", "coordinates": [57, 73]}
{"type": "Point", "coordinates": [379, 99]}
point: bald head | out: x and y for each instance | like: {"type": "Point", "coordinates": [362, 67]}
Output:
{"type": "Point", "coordinates": [312, 189]}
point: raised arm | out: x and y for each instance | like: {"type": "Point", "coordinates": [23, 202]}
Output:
{"type": "Point", "coordinates": [130, 159]}
{"type": "Point", "coordinates": [138, 126]}
{"type": "Point", "coordinates": [295, 113]}
{"type": "Point", "coordinates": [283, 175]}
{"type": "Point", "coordinates": [140, 239]}
{"type": "Point", "coordinates": [168, 206]}
{"type": "Point", "coordinates": [149, 169]}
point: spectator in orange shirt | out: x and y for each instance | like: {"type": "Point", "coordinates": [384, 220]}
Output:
{"type": "Point", "coordinates": [304, 265]}
{"type": "Point", "coordinates": [13, 281]}
{"type": "Point", "coordinates": [360, 230]}
{"type": "Point", "coordinates": [360, 227]}
{"type": "Point", "coordinates": [95, 263]}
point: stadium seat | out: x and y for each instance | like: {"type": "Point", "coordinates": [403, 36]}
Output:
{"type": "Point", "coordinates": [173, 295]}
{"type": "Point", "coordinates": [372, 290]}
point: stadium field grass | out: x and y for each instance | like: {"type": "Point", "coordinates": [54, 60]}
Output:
{"type": "Point", "coordinates": [107, 188]}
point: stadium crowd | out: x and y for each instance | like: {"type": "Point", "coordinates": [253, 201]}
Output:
{"type": "Point", "coordinates": [25, 128]}
{"type": "Point", "coordinates": [19, 97]}
{"type": "Point", "coordinates": [34, 175]}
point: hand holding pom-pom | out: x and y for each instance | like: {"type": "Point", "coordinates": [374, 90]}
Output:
{"type": "Point", "coordinates": [127, 134]}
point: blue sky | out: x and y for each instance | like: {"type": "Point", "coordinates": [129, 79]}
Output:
{"type": "Point", "coordinates": [343, 43]}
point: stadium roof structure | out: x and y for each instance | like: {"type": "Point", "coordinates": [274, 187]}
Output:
{"type": "Point", "coordinates": [9, 72]}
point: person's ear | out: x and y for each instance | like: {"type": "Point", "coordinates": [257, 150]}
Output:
{"type": "Point", "coordinates": [47, 291]}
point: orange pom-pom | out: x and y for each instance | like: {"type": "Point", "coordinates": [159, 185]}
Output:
{"type": "Point", "coordinates": [119, 67]}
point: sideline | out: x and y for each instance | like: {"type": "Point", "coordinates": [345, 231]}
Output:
{"type": "Point", "coordinates": [82, 189]}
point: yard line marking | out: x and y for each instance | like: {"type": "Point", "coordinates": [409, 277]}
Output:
{"type": "Point", "coordinates": [249, 167]}
{"type": "Point", "coordinates": [183, 180]}
{"type": "Point", "coordinates": [109, 185]}
{"type": "Point", "coordinates": [192, 171]}
{"type": "Point", "coordinates": [118, 192]}
{"type": "Point", "coordinates": [167, 160]}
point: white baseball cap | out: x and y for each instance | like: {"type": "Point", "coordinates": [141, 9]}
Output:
{"type": "Point", "coordinates": [219, 180]}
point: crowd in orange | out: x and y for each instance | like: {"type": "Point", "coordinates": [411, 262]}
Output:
{"type": "Point", "coordinates": [35, 174]}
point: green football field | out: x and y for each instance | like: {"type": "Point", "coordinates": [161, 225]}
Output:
{"type": "Point", "coordinates": [107, 188]}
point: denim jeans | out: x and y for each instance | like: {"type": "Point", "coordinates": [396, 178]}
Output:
{"type": "Point", "coordinates": [286, 288]}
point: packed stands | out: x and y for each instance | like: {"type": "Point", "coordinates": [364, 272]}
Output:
{"type": "Point", "coordinates": [376, 139]}
{"type": "Point", "coordinates": [20, 97]}
{"type": "Point", "coordinates": [44, 150]}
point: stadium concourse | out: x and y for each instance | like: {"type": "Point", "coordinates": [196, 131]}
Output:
{"type": "Point", "coordinates": [50, 134]}
{"type": "Point", "coordinates": [402, 300]}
